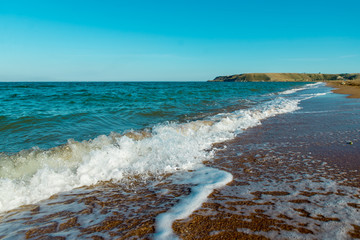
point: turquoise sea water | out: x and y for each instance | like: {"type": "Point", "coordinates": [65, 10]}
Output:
{"type": "Point", "coordinates": [46, 115]}
{"type": "Point", "coordinates": [55, 137]}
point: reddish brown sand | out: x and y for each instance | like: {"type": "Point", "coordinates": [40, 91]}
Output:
{"type": "Point", "coordinates": [276, 159]}
{"type": "Point", "coordinates": [228, 216]}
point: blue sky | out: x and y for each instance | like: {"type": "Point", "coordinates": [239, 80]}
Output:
{"type": "Point", "coordinates": [106, 40]}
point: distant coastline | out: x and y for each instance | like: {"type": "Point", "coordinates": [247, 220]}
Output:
{"type": "Point", "coordinates": [344, 83]}
{"type": "Point", "coordinates": [286, 77]}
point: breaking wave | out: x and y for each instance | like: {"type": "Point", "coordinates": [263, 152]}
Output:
{"type": "Point", "coordinates": [33, 175]}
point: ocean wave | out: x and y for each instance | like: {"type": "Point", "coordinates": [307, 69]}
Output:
{"type": "Point", "coordinates": [33, 175]}
{"type": "Point", "coordinates": [307, 86]}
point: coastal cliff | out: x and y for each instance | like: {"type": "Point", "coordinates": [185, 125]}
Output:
{"type": "Point", "coordinates": [286, 77]}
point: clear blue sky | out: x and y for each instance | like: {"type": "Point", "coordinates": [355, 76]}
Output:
{"type": "Point", "coordinates": [108, 40]}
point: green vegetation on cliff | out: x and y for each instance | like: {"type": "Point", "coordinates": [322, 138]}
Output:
{"type": "Point", "coordinates": [286, 77]}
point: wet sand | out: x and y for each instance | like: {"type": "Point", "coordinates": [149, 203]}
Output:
{"type": "Point", "coordinates": [295, 176]}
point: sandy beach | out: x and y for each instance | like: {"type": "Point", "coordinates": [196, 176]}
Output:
{"type": "Point", "coordinates": [351, 88]}
{"type": "Point", "coordinates": [296, 176]}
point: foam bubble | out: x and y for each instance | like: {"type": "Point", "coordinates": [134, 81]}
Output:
{"type": "Point", "coordinates": [206, 179]}
{"type": "Point", "coordinates": [307, 86]}
{"type": "Point", "coordinates": [324, 202]}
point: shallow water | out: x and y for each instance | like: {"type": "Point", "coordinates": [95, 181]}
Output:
{"type": "Point", "coordinates": [59, 136]}
{"type": "Point", "coordinates": [46, 115]}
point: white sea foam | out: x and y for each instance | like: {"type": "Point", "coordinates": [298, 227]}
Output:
{"type": "Point", "coordinates": [32, 176]}
{"type": "Point", "coordinates": [291, 91]}
{"type": "Point", "coordinates": [307, 86]}
{"type": "Point", "coordinates": [206, 179]}
{"type": "Point", "coordinates": [325, 202]}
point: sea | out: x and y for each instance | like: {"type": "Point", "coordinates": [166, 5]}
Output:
{"type": "Point", "coordinates": [65, 143]}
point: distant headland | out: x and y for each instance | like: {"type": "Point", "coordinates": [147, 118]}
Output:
{"type": "Point", "coordinates": [286, 77]}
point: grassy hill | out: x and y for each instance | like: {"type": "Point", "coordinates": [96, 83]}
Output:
{"type": "Point", "coordinates": [286, 77]}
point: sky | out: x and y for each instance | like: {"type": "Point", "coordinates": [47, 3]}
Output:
{"type": "Point", "coordinates": [137, 40]}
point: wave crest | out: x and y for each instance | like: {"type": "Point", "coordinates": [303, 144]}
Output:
{"type": "Point", "coordinates": [35, 174]}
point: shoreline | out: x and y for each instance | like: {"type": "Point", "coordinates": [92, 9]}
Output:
{"type": "Point", "coordinates": [289, 175]}
{"type": "Point", "coordinates": [286, 77]}
{"type": "Point", "coordinates": [296, 177]}
{"type": "Point", "coordinates": [351, 88]}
